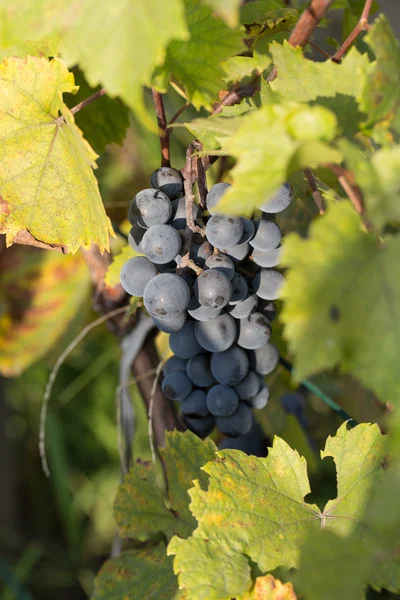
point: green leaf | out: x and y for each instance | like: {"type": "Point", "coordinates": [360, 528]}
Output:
{"type": "Point", "coordinates": [286, 138]}
{"type": "Point", "coordinates": [134, 574]}
{"type": "Point", "coordinates": [343, 291]}
{"type": "Point", "coordinates": [259, 11]}
{"type": "Point", "coordinates": [103, 122]}
{"type": "Point", "coordinates": [210, 131]}
{"type": "Point", "coordinates": [196, 63]}
{"type": "Point", "coordinates": [255, 508]}
{"type": "Point", "coordinates": [381, 95]}
{"type": "Point", "coordinates": [227, 9]}
{"type": "Point", "coordinates": [378, 176]}
{"type": "Point", "coordinates": [118, 44]}
{"type": "Point", "coordinates": [47, 183]}
{"type": "Point", "coordinates": [40, 293]}
{"type": "Point", "coordinates": [140, 507]}
{"type": "Point", "coordinates": [337, 87]}
{"type": "Point", "coordinates": [113, 273]}
{"type": "Point", "coordinates": [239, 67]}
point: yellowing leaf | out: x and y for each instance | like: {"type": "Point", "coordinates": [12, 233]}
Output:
{"type": "Point", "coordinates": [255, 509]}
{"type": "Point", "coordinates": [119, 43]}
{"type": "Point", "coordinates": [40, 292]}
{"type": "Point", "coordinates": [269, 588]}
{"type": "Point", "coordinates": [227, 9]}
{"type": "Point", "coordinates": [342, 291]}
{"type": "Point", "coordinates": [46, 179]}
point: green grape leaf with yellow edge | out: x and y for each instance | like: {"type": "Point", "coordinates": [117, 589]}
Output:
{"type": "Point", "coordinates": [342, 291]}
{"type": "Point", "coordinates": [146, 574]}
{"type": "Point", "coordinates": [40, 293]}
{"type": "Point", "coordinates": [142, 508]}
{"type": "Point", "coordinates": [378, 177]}
{"type": "Point", "coordinates": [47, 184]}
{"type": "Point", "coordinates": [238, 67]}
{"type": "Point", "coordinates": [226, 9]}
{"type": "Point", "coordinates": [117, 44]}
{"type": "Point", "coordinates": [196, 63]}
{"type": "Point", "coordinates": [255, 508]}
{"type": "Point", "coordinates": [381, 94]}
{"type": "Point", "coordinates": [270, 144]}
{"type": "Point", "coordinates": [103, 122]}
{"type": "Point", "coordinates": [337, 87]}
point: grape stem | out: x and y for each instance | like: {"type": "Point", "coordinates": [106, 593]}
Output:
{"type": "Point", "coordinates": [163, 132]}
{"type": "Point", "coordinates": [87, 101]}
{"type": "Point", "coordinates": [316, 194]}
{"type": "Point", "coordinates": [188, 184]}
{"type": "Point", "coordinates": [362, 25]}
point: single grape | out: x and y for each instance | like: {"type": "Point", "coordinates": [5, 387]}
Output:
{"type": "Point", "coordinates": [245, 307]}
{"type": "Point", "coordinates": [200, 252]}
{"type": "Point", "coordinates": [231, 366]}
{"type": "Point", "coordinates": [195, 405]}
{"type": "Point", "coordinates": [174, 363]}
{"type": "Point", "coordinates": [184, 343]}
{"type": "Point", "coordinates": [223, 231]}
{"type": "Point", "coordinates": [214, 196]}
{"type": "Point", "coordinates": [161, 243]}
{"type": "Point", "coordinates": [166, 296]}
{"type": "Point", "coordinates": [248, 230]}
{"type": "Point", "coordinates": [222, 262]}
{"type": "Point", "coordinates": [240, 289]}
{"type": "Point", "coordinates": [263, 360]}
{"type": "Point", "coordinates": [213, 289]}
{"type": "Point", "coordinates": [201, 427]}
{"type": "Point", "coordinates": [168, 180]}
{"type": "Point", "coordinates": [135, 237]}
{"type": "Point", "coordinates": [202, 313]}
{"type": "Point", "coordinates": [269, 258]}
{"type": "Point", "coordinates": [267, 308]}
{"type": "Point", "coordinates": [279, 201]}
{"type": "Point", "coordinates": [237, 424]}
{"type": "Point", "coordinates": [260, 400]}
{"type": "Point", "coordinates": [222, 400]}
{"type": "Point", "coordinates": [216, 335]}
{"type": "Point", "coordinates": [237, 253]}
{"type": "Point", "coordinates": [136, 274]}
{"type": "Point", "coordinates": [267, 284]}
{"type": "Point", "coordinates": [249, 386]}
{"type": "Point", "coordinates": [171, 324]}
{"type": "Point", "coordinates": [150, 207]}
{"type": "Point", "coordinates": [254, 331]}
{"type": "Point", "coordinates": [176, 386]}
{"type": "Point", "coordinates": [268, 235]}
{"type": "Point", "coordinates": [199, 372]}
{"type": "Point", "coordinates": [178, 219]}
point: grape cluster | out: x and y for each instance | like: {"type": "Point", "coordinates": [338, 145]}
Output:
{"type": "Point", "coordinates": [217, 306]}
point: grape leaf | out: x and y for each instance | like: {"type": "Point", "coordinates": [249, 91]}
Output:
{"type": "Point", "coordinates": [255, 507]}
{"type": "Point", "coordinates": [381, 95]}
{"type": "Point", "coordinates": [103, 122]}
{"type": "Point", "coordinates": [269, 588]}
{"type": "Point", "coordinates": [145, 573]}
{"type": "Point", "coordinates": [239, 67]}
{"type": "Point", "coordinates": [378, 176]}
{"type": "Point", "coordinates": [337, 87]}
{"type": "Point", "coordinates": [40, 293]}
{"type": "Point", "coordinates": [46, 178]}
{"type": "Point", "coordinates": [340, 281]}
{"type": "Point", "coordinates": [118, 44]}
{"type": "Point", "coordinates": [286, 138]}
{"type": "Point", "coordinates": [227, 9]}
{"type": "Point", "coordinates": [113, 273]}
{"type": "Point", "coordinates": [262, 12]}
{"type": "Point", "coordinates": [140, 508]}
{"type": "Point", "coordinates": [196, 63]}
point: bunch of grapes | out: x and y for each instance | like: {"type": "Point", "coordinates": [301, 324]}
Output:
{"type": "Point", "coordinates": [216, 303]}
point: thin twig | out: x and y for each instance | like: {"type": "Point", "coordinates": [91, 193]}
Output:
{"type": "Point", "coordinates": [188, 185]}
{"type": "Point", "coordinates": [87, 101]}
{"type": "Point", "coordinates": [53, 375]}
{"type": "Point", "coordinates": [316, 194]}
{"type": "Point", "coordinates": [235, 96]}
{"type": "Point", "coordinates": [362, 25]}
{"type": "Point", "coordinates": [305, 26]}
{"type": "Point", "coordinates": [318, 49]}
{"type": "Point", "coordinates": [150, 411]}
{"type": "Point", "coordinates": [178, 114]}
{"type": "Point", "coordinates": [201, 183]}
{"type": "Point", "coordinates": [162, 128]}
{"type": "Point", "coordinates": [346, 180]}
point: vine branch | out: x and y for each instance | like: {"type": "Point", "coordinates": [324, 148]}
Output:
{"type": "Point", "coordinates": [87, 101]}
{"type": "Point", "coordinates": [362, 25]}
{"type": "Point", "coordinates": [162, 128]}
{"type": "Point", "coordinates": [316, 194]}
